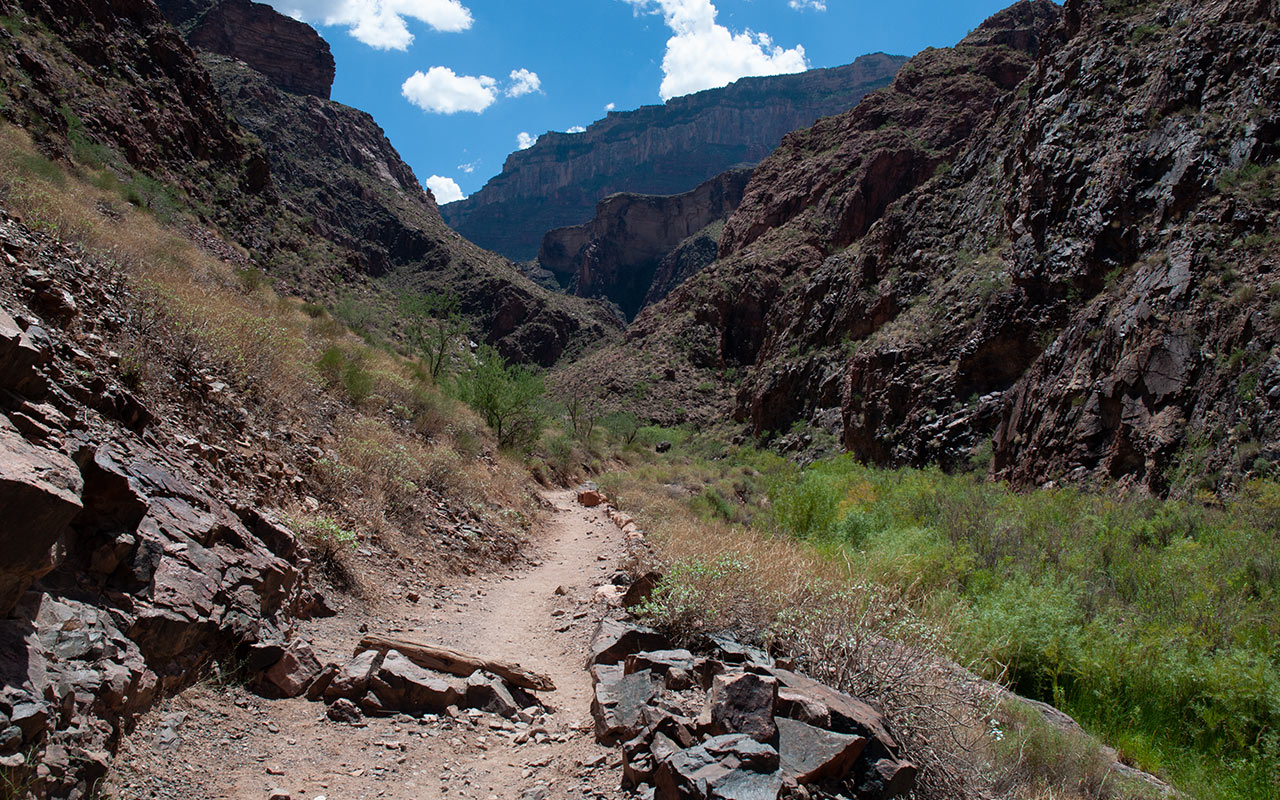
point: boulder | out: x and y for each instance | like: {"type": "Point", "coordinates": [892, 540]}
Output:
{"type": "Point", "coordinates": [39, 497]}
{"type": "Point", "coordinates": [19, 357]}
{"type": "Point", "coordinates": [402, 685]}
{"type": "Point", "coordinates": [294, 672]}
{"type": "Point", "coordinates": [743, 702]}
{"type": "Point", "coordinates": [352, 678]}
{"type": "Point", "coordinates": [887, 778]}
{"type": "Point", "coordinates": [810, 754]}
{"type": "Point", "coordinates": [660, 661]}
{"type": "Point", "coordinates": [641, 588]}
{"type": "Point", "coordinates": [591, 498]}
{"type": "Point", "coordinates": [491, 694]}
{"type": "Point", "coordinates": [619, 701]}
{"type": "Point", "coordinates": [846, 714]}
{"type": "Point", "coordinates": [344, 710]}
{"type": "Point", "coordinates": [614, 641]}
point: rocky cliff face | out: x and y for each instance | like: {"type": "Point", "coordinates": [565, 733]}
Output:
{"type": "Point", "coordinates": [290, 53]}
{"type": "Point", "coordinates": [1053, 242]}
{"type": "Point", "coordinates": [125, 572]}
{"type": "Point", "coordinates": [617, 255]}
{"type": "Point", "coordinates": [667, 149]}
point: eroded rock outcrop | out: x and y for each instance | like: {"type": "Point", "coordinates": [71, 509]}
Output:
{"type": "Point", "coordinates": [287, 51]}
{"type": "Point", "coordinates": [664, 150]}
{"type": "Point", "coordinates": [625, 253]}
{"type": "Point", "coordinates": [123, 574]}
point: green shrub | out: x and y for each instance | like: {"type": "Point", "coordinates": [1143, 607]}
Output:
{"type": "Point", "coordinates": [356, 381]}
{"type": "Point", "coordinates": [507, 397]}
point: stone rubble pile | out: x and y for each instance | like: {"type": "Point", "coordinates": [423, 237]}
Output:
{"type": "Point", "coordinates": [380, 683]}
{"type": "Point", "coordinates": [734, 724]}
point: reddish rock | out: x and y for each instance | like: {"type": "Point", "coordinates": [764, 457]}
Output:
{"type": "Point", "coordinates": [39, 497]}
{"type": "Point", "coordinates": [294, 672]}
{"type": "Point", "coordinates": [287, 51]}
{"type": "Point", "coordinates": [591, 498]}
{"type": "Point", "coordinates": [617, 255]}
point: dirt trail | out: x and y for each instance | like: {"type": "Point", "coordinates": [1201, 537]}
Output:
{"type": "Point", "coordinates": [225, 742]}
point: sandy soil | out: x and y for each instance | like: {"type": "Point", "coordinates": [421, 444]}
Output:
{"type": "Point", "coordinates": [225, 742]}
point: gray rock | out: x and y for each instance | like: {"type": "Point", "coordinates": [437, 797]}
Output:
{"type": "Point", "coordinates": [614, 641]}
{"type": "Point", "coordinates": [489, 693]}
{"type": "Point", "coordinates": [811, 755]}
{"type": "Point", "coordinates": [619, 702]}
{"type": "Point", "coordinates": [744, 703]}
{"type": "Point", "coordinates": [402, 685]}
{"type": "Point", "coordinates": [734, 767]}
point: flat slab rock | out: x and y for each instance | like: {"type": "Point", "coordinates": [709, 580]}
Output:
{"type": "Point", "coordinates": [614, 641]}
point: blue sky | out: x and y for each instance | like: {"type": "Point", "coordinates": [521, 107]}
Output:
{"type": "Point", "coordinates": [455, 83]}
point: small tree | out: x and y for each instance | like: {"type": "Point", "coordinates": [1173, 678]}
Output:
{"type": "Point", "coordinates": [583, 411]}
{"type": "Point", "coordinates": [508, 396]}
{"type": "Point", "coordinates": [434, 324]}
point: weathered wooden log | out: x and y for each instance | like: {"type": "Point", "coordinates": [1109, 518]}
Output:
{"type": "Point", "coordinates": [443, 659]}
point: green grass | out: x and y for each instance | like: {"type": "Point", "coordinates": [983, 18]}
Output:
{"type": "Point", "coordinates": [1153, 622]}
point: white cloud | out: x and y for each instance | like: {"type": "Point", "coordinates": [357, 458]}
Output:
{"type": "Point", "coordinates": [610, 107]}
{"type": "Point", "coordinates": [445, 189]}
{"type": "Point", "coordinates": [804, 5]}
{"type": "Point", "coordinates": [704, 55]}
{"type": "Point", "coordinates": [441, 91]}
{"type": "Point", "coordinates": [523, 82]}
{"type": "Point", "coordinates": [469, 167]}
{"type": "Point", "coordinates": [524, 141]}
{"type": "Point", "coordinates": [380, 23]}
{"type": "Point", "coordinates": [577, 129]}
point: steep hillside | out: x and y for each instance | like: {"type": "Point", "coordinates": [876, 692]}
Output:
{"type": "Point", "coordinates": [667, 149]}
{"type": "Point", "coordinates": [114, 87]}
{"type": "Point", "coordinates": [1056, 237]}
{"type": "Point", "coordinates": [619, 255]}
{"type": "Point", "coordinates": [334, 168]}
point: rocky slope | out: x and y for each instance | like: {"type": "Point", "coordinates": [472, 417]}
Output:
{"type": "Point", "coordinates": [1057, 238]}
{"type": "Point", "coordinates": [667, 149]}
{"type": "Point", "coordinates": [620, 254]}
{"type": "Point", "coordinates": [334, 167]}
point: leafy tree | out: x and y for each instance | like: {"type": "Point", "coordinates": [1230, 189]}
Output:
{"type": "Point", "coordinates": [508, 396]}
{"type": "Point", "coordinates": [434, 325]}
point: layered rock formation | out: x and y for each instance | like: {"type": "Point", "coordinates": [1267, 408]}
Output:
{"type": "Point", "coordinates": [667, 149]}
{"type": "Point", "coordinates": [1054, 237]}
{"type": "Point", "coordinates": [621, 254]}
{"type": "Point", "coordinates": [125, 573]}
{"type": "Point", "coordinates": [290, 53]}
